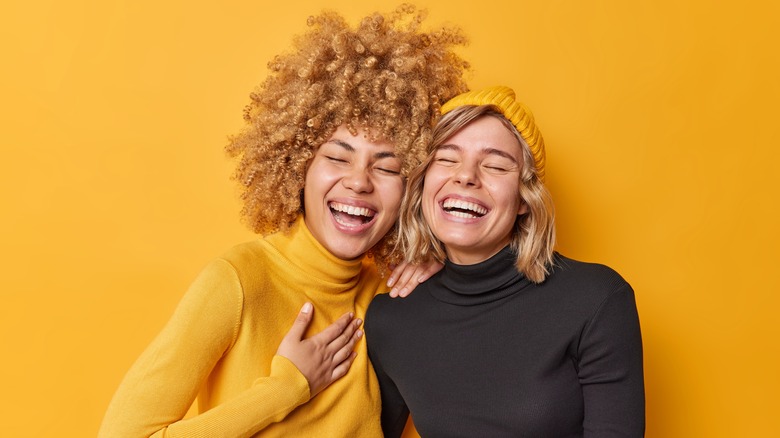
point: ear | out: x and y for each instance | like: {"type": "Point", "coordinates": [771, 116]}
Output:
{"type": "Point", "coordinates": [523, 208]}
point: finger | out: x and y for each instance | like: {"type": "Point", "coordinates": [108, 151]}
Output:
{"type": "Point", "coordinates": [407, 280]}
{"type": "Point", "coordinates": [396, 272]}
{"type": "Point", "coordinates": [428, 270]}
{"type": "Point", "coordinates": [422, 273]}
{"type": "Point", "coordinates": [343, 353]}
{"type": "Point", "coordinates": [341, 369]}
{"type": "Point", "coordinates": [343, 340]}
{"type": "Point", "coordinates": [333, 331]}
{"type": "Point", "coordinates": [345, 343]}
{"type": "Point", "coordinates": [409, 286]}
{"type": "Point", "coordinates": [301, 322]}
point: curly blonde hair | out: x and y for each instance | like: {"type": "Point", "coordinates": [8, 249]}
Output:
{"type": "Point", "coordinates": [386, 77]}
{"type": "Point", "coordinates": [533, 238]}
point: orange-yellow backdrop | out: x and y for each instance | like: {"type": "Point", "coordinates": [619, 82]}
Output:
{"type": "Point", "coordinates": [660, 120]}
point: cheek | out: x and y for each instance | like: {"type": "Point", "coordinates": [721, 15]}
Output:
{"type": "Point", "coordinates": [322, 173]}
{"type": "Point", "coordinates": [391, 192]}
{"type": "Point", "coordinates": [310, 184]}
{"type": "Point", "coordinates": [313, 173]}
{"type": "Point", "coordinates": [318, 181]}
{"type": "Point", "coordinates": [507, 193]}
{"type": "Point", "coordinates": [428, 200]}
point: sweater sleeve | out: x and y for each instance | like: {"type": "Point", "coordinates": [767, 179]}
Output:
{"type": "Point", "coordinates": [610, 369]}
{"type": "Point", "coordinates": [163, 383]}
{"type": "Point", "coordinates": [394, 410]}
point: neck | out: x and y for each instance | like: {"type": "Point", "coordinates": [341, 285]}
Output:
{"type": "Point", "coordinates": [470, 255]}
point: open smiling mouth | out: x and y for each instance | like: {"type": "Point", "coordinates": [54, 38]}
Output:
{"type": "Point", "coordinates": [464, 209]}
{"type": "Point", "coordinates": [349, 215]}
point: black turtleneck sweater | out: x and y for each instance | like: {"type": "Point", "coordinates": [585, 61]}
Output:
{"type": "Point", "coordinates": [479, 350]}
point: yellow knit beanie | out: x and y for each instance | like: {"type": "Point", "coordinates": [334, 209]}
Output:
{"type": "Point", "coordinates": [504, 99]}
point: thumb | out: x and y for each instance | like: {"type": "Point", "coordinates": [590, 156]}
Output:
{"type": "Point", "coordinates": [301, 322]}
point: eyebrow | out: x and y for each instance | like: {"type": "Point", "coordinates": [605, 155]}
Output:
{"type": "Point", "coordinates": [489, 151]}
{"type": "Point", "coordinates": [342, 143]}
{"type": "Point", "coordinates": [349, 148]}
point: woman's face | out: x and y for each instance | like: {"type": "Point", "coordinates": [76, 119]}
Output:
{"type": "Point", "coordinates": [471, 195]}
{"type": "Point", "coordinates": [352, 193]}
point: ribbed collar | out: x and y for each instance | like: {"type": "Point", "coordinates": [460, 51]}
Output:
{"type": "Point", "coordinates": [302, 250]}
{"type": "Point", "coordinates": [469, 285]}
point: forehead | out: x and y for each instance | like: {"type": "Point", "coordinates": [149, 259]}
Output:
{"type": "Point", "coordinates": [361, 142]}
{"type": "Point", "coordinates": [485, 134]}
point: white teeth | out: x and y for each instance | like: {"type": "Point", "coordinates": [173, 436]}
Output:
{"type": "Point", "coordinates": [351, 209]}
{"type": "Point", "coordinates": [463, 205]}
{"type": "Point", "coordinates": [457, 213]}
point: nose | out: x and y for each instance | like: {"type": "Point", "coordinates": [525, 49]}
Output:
{"type": "Point", "coordinates": [466, 175]}
{"type": "Point", "coordinates": [359, 181]}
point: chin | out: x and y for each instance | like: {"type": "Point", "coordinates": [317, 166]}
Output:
{"type": "Point", "coordinates": [350, 253]}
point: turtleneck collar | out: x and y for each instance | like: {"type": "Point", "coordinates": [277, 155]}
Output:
{"type": "Point", "coordinates": [303, 251]}
{"type": "Point", "coordinates": [490, 280]}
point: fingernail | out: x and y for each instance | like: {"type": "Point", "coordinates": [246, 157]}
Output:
{"type": "Point", "coordinates": [359, 321]}
{"type": "Point", "coordinates": [390, 282]}
{"type": "Point", "coordinates": [306, 308]}
{"type": "Point", "coordinates": [394, 292]}
{"type": "Point", "coordinates": [359, 333]}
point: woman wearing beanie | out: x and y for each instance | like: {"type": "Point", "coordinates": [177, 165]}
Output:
{"type": "Point", "coordinates": [510, 338]}
{"type": "Point", "coordinates": [330, 136]}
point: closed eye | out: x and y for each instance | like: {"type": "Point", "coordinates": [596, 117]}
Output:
{"type": "Point", "coordinates": [447, 154]}
{"type": "Point", "coordinates": [445, 161]}
{"type": "Point", "coordinates": [387, 164]}
{"type": "Point", "coordinates": [499, 165]}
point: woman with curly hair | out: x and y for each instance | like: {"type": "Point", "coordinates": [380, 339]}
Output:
{"type": "Point", "coordinates": [330, 136]}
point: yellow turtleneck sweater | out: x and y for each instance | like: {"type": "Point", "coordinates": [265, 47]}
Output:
{"type": "Point", "coordinates": [220, 345]}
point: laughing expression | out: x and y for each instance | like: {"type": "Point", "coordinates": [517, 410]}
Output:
{"type": "Point", "coordinates": [471, 195]}
{"type": "Point", "coordinates": [352, 193]}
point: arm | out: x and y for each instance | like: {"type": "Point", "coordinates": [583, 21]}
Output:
{"type": "Point", "coordinates": [164, 381]}
{"type": "Point", "coordinates": [610, 369]}
{"type": "Point", "coordinates": [394, 410]}
{"type": "Point", "coordinates": [405, 277]}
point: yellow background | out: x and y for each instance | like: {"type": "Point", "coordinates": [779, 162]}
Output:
{"type": "Point", "coordinates": [660, 121]}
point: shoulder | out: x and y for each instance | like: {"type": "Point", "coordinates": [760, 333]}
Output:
{"type": "Point", "coordinates": [245, 253]}
{"type": "Point", "coordinates": [585, 286]}
{"type": "Point", "coordinates": [217, 288]}
{"type": "Point", "coordinates": [227, 275]}
{"type": "Point", "coordinates": [247, 261]}
{"type": "Point", "coordinates": [387, 312]}
{"type": "Point", "coordinates": [381, 302]}
{"type": "Point", "coordinates": [380, 305]}
{"type": "Point", "coordinates": [385, 304]}
{"type": "Point", "coordinates": [585, 275]}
